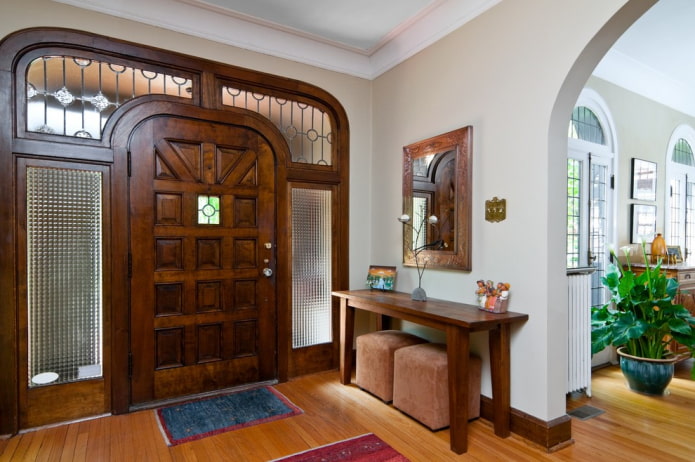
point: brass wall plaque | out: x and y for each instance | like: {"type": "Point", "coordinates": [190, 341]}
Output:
{"type": "Point", "coordinates": [495, 210]}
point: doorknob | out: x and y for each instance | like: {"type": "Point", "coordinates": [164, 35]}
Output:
{"type": "Point", "coordinates": [267, 272]}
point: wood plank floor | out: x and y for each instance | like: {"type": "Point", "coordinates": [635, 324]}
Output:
{"type": "Point", "coordinates": [633, 427]}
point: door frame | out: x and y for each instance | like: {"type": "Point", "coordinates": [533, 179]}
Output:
{"type": "Point", "coordinates": [121, 226]}
{"type": "Point", "coordinates": [19, 48]}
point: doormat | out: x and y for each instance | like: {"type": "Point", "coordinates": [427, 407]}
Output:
{"type": "Point", "coordinates": [585, 412]}
{"type": "Point", "coordinates": [197, 419]}
{"type": "Point", "coordinates": [364, 448]}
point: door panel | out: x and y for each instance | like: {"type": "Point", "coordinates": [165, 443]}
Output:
{"type": "Point", "coordinates": [201, 212]}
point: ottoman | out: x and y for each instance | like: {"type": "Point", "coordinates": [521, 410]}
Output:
{"type": "Point", "coordinates": [374, 371]}
{"type": "Point", "coordinates": [421, 384]}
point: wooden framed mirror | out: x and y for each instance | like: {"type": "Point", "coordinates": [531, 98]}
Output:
{"type": "Point", "coordinates": [437, 177]}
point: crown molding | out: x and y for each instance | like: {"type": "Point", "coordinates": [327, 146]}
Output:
{"type": "Point", "coordinates": [189, 17]}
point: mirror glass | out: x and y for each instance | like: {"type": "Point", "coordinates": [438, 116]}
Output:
{"type": "Point", "coordinates": [437, 199]}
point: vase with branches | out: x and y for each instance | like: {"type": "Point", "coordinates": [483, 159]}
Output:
{"type": "Point", "coordinates": [419, 231]}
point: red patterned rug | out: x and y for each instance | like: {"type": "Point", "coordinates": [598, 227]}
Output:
{"type": "Point", "coordinates": [365, 448]}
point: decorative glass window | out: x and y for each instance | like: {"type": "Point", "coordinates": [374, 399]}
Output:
{"type": "Point", "coordinates": [64, 280]}
{"type": "Point", "coordinates": [306, 128]}
{"type": "Point", "coordinates": [208, 210]}
{"type": "Point", "coordinates": [74, 96]}
{"type": "Point", "coordinates": [574, 169]}
{"type": "Point", "coordinates": [683, 153]}
{"type": "Point", "coordinates": [311, 267]}
{"type": "Point", "coordinates": [680, 203]}
{"type": "Point", "coordinates": [590, 196]}
{"type": "Point", "coordinates": [584, 125]}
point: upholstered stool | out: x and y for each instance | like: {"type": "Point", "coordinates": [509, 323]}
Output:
{"type": "Point", "coordinates": [374, 371]}
{"type": "Point", "coordinates": [421, 385]}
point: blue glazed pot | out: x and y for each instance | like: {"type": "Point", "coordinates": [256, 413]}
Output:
{"type": "Point", "coordinates": [644, 375]}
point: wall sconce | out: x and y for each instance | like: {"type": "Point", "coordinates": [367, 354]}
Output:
{"type": "Point", "coordinates": [495, 210]}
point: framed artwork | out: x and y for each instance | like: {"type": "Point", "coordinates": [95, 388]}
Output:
{"type": "Point", "coordinates": [643, 180]}
{"type": "Point", "coordinates": [381, 277]}
{"type": "Point", "coordinates": [673, 254]}
{"type": "Point", "coordinates": [643, 223]}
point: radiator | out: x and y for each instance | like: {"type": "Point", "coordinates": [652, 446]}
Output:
{"type": "Point", "coordinates": [579, 332]}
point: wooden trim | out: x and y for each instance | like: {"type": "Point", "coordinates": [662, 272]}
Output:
{"type": "Point", "coordinates": [111, 151]}
{"type": "Point", "coordinates": [553, 435]}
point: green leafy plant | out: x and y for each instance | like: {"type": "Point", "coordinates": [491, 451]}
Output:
{"type": "Point", "coordinates": [641, 314]}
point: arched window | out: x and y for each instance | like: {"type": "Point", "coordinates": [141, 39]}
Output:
{"type": "Point", "coordinates": [590, 179]}
{"type": "Point", "coordinates": [680, 209]}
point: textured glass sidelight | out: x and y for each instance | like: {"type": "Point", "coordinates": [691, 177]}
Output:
{"type": "Point", "coordinates": [306, 128]}
{"type": "Point", "coordinates": [64, 280]}
{"type": "Point", "coordinates": [73, 96]}
{"type": "Point", "coordinates": [311, 267]}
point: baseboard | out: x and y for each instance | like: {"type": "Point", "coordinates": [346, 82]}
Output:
{"type": "Point", "coordinates": [553, 435]}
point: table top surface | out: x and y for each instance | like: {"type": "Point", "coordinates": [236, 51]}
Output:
{"type": "Point", "coordinates": [441, 311]}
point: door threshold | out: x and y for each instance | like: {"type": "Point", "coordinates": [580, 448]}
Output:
{"type": "Point", "coordinates": [207, 394]}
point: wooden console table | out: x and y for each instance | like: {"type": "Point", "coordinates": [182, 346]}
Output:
{"type": "Point", "coordinates": [457, 320]}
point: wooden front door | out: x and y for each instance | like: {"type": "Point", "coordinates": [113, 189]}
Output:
{"type": "Point", "coordinates": [202, 224]}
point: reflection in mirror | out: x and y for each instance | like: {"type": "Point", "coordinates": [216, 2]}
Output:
{"type": "Point", "coordinates": [437, 181]}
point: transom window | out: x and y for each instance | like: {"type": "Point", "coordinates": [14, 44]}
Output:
{"type": "Point", "coordinates": [306, 128]}
{"type": "Point", "coordinates": [75, 96]}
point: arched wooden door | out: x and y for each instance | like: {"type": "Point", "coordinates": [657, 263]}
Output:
{"type": "Point", "coordinates": [202, 233]}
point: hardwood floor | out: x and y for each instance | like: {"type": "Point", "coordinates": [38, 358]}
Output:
{"type": "Point", "coordinates": [633, 427]}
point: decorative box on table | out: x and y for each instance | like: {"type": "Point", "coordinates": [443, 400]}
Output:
{"type": "Point", "coordinates": [491, 297]}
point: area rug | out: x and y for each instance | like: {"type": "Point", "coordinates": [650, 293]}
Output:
{"type": "Point", "coordinates": [364, 448]}
{"type": "Point", "coordinates": [197, 419]}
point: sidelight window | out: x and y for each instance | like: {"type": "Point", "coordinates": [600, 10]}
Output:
{"type": "Point", "coordinates": [311, 267]}
{"type": "Point", "coordinates": [64, 254]}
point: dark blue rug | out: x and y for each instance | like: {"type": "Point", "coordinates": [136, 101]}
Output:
{"type": "Point", "coordinates": [210, 416]}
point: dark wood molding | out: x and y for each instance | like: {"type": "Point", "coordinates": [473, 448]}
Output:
{"type": "Point", "coordinates": [551, 435]}
{"type": "Point", "coordinates": [17, 50]}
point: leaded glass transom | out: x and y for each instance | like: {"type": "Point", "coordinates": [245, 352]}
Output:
{"type": "Point", "coordinates": [683, 153]}
{"type": "Point", "coordinates": [75, 96]}
{"type": "Point", "coordinates": [584, 125]}
{"type": "Point", "coordinates": [306, 128]}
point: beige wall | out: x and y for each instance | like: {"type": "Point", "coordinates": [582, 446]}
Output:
{"type": "Point", "coordinates": [643, 130]}
{"type": "Point", "coordinates": [506, 74]}
{"type": "Point", "coordinates": [513, 74]}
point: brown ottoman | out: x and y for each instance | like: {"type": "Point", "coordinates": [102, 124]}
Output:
{"type": "Point", "coordinates": [421, 387]}
{"type": "Point", "coordinates": [375, 360]}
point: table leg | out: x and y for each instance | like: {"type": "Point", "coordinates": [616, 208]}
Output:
{"type": "Point", "coordinates": [458, 346]}
{"type": "Point", "coordinates": [347, 333]}
{"type": "Point", "coordinates": [500, 376]}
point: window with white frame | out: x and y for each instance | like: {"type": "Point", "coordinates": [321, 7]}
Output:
{"type": "Point", "coordinates": [680, 209]}
{"type": "Point", "coordinates": [590, 189]}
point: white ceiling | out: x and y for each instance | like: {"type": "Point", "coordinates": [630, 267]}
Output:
{"type": "Point", "coordinates": [365, 38]}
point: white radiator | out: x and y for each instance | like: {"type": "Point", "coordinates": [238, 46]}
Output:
{"type": "Point", "coordinates": [579, 331]}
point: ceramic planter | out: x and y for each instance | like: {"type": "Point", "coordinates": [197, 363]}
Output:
{"type": "Point", "coordinates": [645, 375]}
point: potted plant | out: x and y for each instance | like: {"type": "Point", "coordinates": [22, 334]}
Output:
{"type": "Point", "coordinates": [641, 319]}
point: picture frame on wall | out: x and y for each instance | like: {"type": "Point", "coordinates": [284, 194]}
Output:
{"type": "Point", "coordinates": [643, 180]}
{"type": "Point", "coordinates": [643, 223]}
